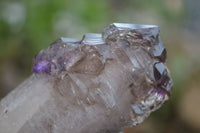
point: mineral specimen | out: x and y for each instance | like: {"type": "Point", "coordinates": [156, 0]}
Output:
{"type": "Point", "coordinates": [102, 83]}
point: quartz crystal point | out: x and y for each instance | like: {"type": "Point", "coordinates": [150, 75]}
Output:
{"type": "Point", "coordinates": [102, 83]}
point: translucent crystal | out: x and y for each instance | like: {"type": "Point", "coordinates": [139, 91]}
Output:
{"type": "Point", "coordinates": [92, 39]}
{"type": "Point", "coordinates": [151, 84]}
{"type": "Point", "coordinates": [118, 77]}
{"type": "Point", "coordinates": [135, 59]}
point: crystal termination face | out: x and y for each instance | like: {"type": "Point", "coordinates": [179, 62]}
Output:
{"type": "Point", "coordinates": [126, 62]}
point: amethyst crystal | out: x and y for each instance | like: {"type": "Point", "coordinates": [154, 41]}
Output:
{"type": "Point", "coordinates": [118, 77]}
{"type": "Point", "coordinates": [42, 67]}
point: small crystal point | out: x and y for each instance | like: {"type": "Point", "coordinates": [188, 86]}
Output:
{"type": "Point", "coordinates": [92, 39]}
{"type": "Point", "coordinates": [70, 40]}
{"type": "Point", "coordinates": [159, 69]}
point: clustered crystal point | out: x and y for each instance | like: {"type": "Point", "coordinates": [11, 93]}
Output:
{"type": "Point", "coordinates": [123, 69]}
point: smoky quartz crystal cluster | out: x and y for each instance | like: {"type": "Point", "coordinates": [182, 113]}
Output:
{"type": "Point", "coordinates": [126, 61]}
{"type": "Point", "coordinates": [98, 84]}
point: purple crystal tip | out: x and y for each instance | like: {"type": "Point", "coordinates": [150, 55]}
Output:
{"type": "Point", "coordinates": [42, 67]}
